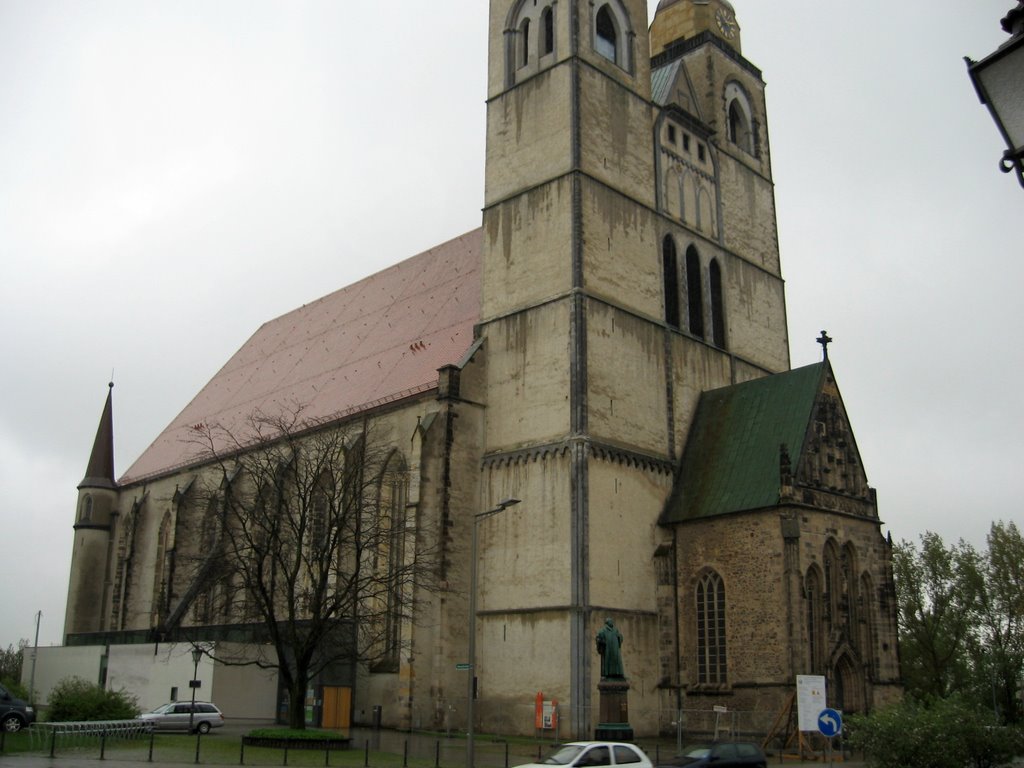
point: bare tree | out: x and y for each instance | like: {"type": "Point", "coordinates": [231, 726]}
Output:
{"type": "Point", "coordinates": [306, 536]}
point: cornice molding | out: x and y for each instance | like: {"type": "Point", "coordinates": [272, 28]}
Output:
{"type": "Point", "coordinates": [594, 449]}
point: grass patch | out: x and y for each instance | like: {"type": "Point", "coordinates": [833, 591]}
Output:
{"type": "Point", "coordinates": [214, 749]}
{"type": "Point", "coordinates": [307, 734]}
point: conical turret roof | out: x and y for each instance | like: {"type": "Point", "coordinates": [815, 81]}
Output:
{"type": "Point", "coordinates": [100, 472]}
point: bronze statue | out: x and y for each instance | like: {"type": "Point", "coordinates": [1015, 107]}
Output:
{"type": "Point", "coordinates": [609, 645]}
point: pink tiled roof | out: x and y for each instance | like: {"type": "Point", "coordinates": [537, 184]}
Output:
{"type": "Point", "coordinates": [375, 341]}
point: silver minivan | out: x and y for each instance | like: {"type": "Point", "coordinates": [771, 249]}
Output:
{"type": "Point", "coordinates": [180, 716]}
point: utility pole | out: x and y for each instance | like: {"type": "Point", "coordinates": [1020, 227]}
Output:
{"type": "Point", "coordinates": [35, 653]}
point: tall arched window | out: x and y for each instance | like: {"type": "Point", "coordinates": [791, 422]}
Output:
{"type": "Point", "coordinates": [866, 596]}
{"type": "Point", "coordinates": [161, 601]}
{"type": "Point", "coordinates": [211, 562]}
{"type": "Point", "coordinates": [711, 656]}
{"type": "Point", "coordinates": [739, 121]}
{"type": "Point", "coordinates": [606, 37]}
{"type": "Point", "coordinates": [529, 37]}
{"type": "Point", "coordinates": [694, 293]}
{"type": "Point", "coordinates": [717, 305]}
{"type": "Point", "coordinates": [831, 563]}
{"type": "Point", "coordinates": [390, 559]}
{"type": "Point", "coordinates": [815, 638]}
{"type": "Point", "coordinates": [547, 22]}
{"type": "Point", "coordinates": [670, 277]}
{"type": "Point", "coordinates": [739, 126]}
{"type": "Point", "coordinates": [321, 517]}
{"type": "Point", "coordinates": [85, 512]}
{"type": "Point", "coordinates": [524, 43]}
{"type": "Point", "coordinates": [848, 593]}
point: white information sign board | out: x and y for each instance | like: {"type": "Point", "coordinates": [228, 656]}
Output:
{"type": "Point", "coordinates": [810, 700]}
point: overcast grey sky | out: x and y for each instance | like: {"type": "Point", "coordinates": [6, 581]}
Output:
{"type": "Point", "coordinates": [175, 172]}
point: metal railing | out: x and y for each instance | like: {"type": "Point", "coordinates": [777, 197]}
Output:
{"type": "Point", "coordinates": [71, 735]}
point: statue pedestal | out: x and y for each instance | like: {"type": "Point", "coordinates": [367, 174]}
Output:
{"type": "Point", "coordinates": [614, 711]}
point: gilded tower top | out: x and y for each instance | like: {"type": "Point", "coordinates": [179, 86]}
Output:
{"type": "Point", "coordinates": [683, 19]}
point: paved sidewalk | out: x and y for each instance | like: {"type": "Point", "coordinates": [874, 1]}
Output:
{"type": "Point", "coordinates": [451, 752]}
{"type": "Point", "coordinates": [17, 761]}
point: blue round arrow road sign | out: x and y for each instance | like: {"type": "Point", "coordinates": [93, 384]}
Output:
{"type": "Point", "coordinates": [830, 722]}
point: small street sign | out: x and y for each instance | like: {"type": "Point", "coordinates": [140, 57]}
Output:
{"type": "Point", "coordinates": [463, 667]}
{"type": "Point", "coordinates": [195, 683]}
{"type": "Point", "coordinates": [830, 723]}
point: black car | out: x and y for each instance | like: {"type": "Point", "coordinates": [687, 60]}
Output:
{"type": "Point", "coordinates": [732, 754]}
{"type": "Point", "coordinates": [15, 714]}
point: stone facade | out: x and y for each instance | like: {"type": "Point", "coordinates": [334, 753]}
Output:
{"type": "Point", "coordinates": [627, 264]}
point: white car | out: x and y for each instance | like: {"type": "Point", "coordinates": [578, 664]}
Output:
{"type": "Point", "coordinates": [580, 754]}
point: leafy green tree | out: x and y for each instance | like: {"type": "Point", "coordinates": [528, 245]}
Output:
{"type": "Point", "coordinates": [10, 666]}
{"type": "Point", "coordinates": [76, 700]}
{"type": "Point", "coordinates": [961, 617]}
{"type": "Point", "coordinates": [947, 733]}
{"type": "Point", "coordinates": [999, 612]}
{"type": "Point", "coordinates": [935, 592]}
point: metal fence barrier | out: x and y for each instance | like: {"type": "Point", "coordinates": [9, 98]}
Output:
{"type": "Point", "coordinates": [54, 736]}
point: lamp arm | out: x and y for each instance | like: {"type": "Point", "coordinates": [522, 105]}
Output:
{"type": "Point", "coordinates": [1013, 162]}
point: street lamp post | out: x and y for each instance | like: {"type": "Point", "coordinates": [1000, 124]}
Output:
{"type": "Point", "coordinates": [35, 654]}
{"type": "Point", "coordinates": [470, 687]}
{"type": "Point", "coordinates": [197, 654]}
{"type": "Point", "coordinates": [999, 81]}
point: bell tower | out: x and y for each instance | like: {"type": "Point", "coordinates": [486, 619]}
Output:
{"type": "Point", "coordinates": [686, 19]}
{"type": "Point", "coordinates": [630, 262]}
{"type": "Point", "coordinates": [575, 422]}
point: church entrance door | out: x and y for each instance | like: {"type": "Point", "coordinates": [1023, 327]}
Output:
{"type": "Point", "coordinates": [337, 711]}
{"type": "Point", "coordinates": [849, 687]}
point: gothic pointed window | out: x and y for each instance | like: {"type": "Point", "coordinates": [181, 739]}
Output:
{"type": "Point", "coordinates": [524, 43]}
{"type": "Point", "coordinates": [739, 123]}
{"type": "Point", "coordinates": [815, 624]}
{"type": "Point", "coordinates": [320, 518]}
{"type": "Point", "coordinates": [670, 272]}
{"type": "Point", "coordinates": [530, 39]}
{"type": "Point", "coordinates": [830, 558]}
{"type": "Point", "coordinates": [547, 20]}
{"type": "Point", "coordinates": [711, 651]}
{"type": "Point", "coordinates": [739, 131]}
{"type": "Point", "coordinates": [606, 38]}
{"type": "Point", "coordinates": [389, 561]}
{"type": "Point", "coordinates": [161, 571]}
{"type": "Point", "coordinates": [85, 512]}
{"type": "Point", "coordinates": [694, 293]}
{"type": "Point", "coordinates": [867, 624]}
{"type": "Point", "coordinates": [848, 593]}
{"type": "Point", "coordinates": [717, 305]}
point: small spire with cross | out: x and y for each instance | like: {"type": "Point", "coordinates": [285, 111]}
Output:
{"type": "Point", "coordinates": [824, 340]}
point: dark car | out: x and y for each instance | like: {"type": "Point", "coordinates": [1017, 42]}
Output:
{"type": "Point", "coordinates": [733, 754]}
{"type": "Point", "coordinates": [15, 714]}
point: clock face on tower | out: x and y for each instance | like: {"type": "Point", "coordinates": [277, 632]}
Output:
{"type": "Point", "coordinates": [726, 23]}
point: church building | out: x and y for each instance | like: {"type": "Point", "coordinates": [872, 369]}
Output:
{"type": "Point", "coordinates": [610, 348]}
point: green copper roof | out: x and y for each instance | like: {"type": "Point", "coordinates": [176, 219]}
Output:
{"type": "Point", "coordinates": [662, 79]}
{"type": "Point", "coordinates": [731, 460]}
